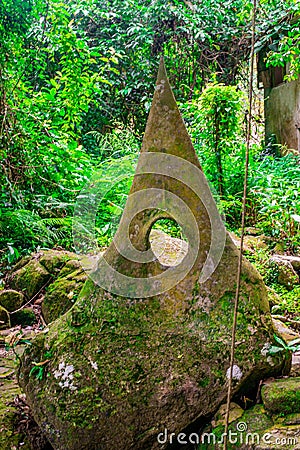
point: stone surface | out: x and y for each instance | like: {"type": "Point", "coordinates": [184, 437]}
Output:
{"type": "Point", "coordinates": [287, 276]}
{"type": "Point", "coordinates": [273, 297]}
{"type": "Point", "coordinates": [9, 389]}
{"type": "Point", "coordinates": [169, 251]}
{"type": "Point", "coordinates": [30, 279]}
{"type": "Point", "coordinates": [255, 430]}
{"type": "Point", "coordinates": [282, 396]}
{"type": "Point", "coordinates": [294, 260]}
{"type": "Point", "coordinates": [284, 331]}
{"type": "Point", "coordinates": [63, 292]}
{"type": "Point", "coordinates": [11, 300]}
{"type": "Point", "coordinates": [4, 318]}
{"type": "Point", "coordinates": [148, 347]}
{"type": "Point", "coordinates": [24, 317]}
{"type": "Point", "coordinates": [17, 429]}
{"type": "Point", "coordinates": [235, 412]}
{"type": "Point", "coordinates": [256, 242]}
{"type": "Point", "coordinates": [55, 260]}
{"type": "Point", "coordinates": [295, 369]}
{"type": "Point", "coordinates": [56, 276]}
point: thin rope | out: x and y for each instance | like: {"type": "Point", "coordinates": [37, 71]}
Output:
{"type": "Point", "coordinates": [238, 283]}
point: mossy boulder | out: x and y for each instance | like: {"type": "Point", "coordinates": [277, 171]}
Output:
{"type": "Point", "coordinates": [30, 279]}
{"type": "Point", "coordinates": [17, 429]}
{"type": "Point", "coordinates": [11, 300]}
{"type": "Point", "coordinates": [58, 275]}
{"type": "Point", "coordinates": [10, 438]}
{"type": "Point", "coordinates": [287, 276]}
{"type": "Point", "coordinates": [55, 260]}
{"type": "Point", "coordinates": [131, 359]}
{"type": "Point", "coordinates": [24, 317]}
{"type": "Point", "coordinates": [282, 396]}
{"type": "Point", "coordinates": [62, 294]}
{"type": "Point", "coordinates": [4, 318]}
{"type": "Point", "coordinates": [244, 433]}
{"type": "Point", "coordinates": [235, 412]}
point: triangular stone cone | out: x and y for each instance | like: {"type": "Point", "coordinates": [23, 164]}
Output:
{"type": "Point", "coordinates": [165, 129]}
{"type": "Point", "coordinates": [145, 351]}
{"type": "Point", "coordinates": [168, 183]}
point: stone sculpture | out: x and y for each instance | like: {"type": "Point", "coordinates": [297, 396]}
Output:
{"type": "Point", "coordinates": [146, 346]}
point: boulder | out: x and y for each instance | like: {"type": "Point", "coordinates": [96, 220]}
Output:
{"type": "Point", "coordinates": [146, 347]}
{"type": "Point", "coordinates": [255, 242]}
{"type": "Point", "coordinates": [30, 278]}
{"type": "Point", "coordinates": [283, 330]}
{"type": "Point", "coordinates": [293, 260]}
{"type": "Point", "coordinates": [57, 276]}
{"type": "Point", "coordinates": [55, 260]}
{"type": "Point", "coordinates": [287, 276]}
{"type": "Point", "coordinates": [24, 317]}
{"type": "Point", "coordinates": [4, 318]}
{"type": "Point", "coordinates": [63, 292]}
{"type": "Point", "coordinates": [11, 300]}
{"type": "Point", "coordinates": [255, 430]}
{"type": "Point", "coordinates": [282, 396]}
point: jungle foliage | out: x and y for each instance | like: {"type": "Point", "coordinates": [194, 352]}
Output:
{"type": "Point", "coordinates": [76, 81]}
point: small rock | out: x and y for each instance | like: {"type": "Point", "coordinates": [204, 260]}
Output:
{"type": "Point", "coordinates": [30, 279]}
{"type": "Point", "coordinates": [286, 273]}
{"type": "Point", "coordinates": [4, 318]}
{"type": "Point", "coordinates": [23, 317]}
{"type": "Point", "coordinates": [295, 369]}
{"type": "Point", "coordinates": [255, 242]}
{"type": "Point", "coordinates": [294, 260]}
{"type": "Point", "coordinates": [287, 333]}
{"type": "Point", "coordinates": [235, 413]}
{"type": "Point", "coordinates": [11, 300]}
{"type": "Point", "coordinates": [282, 396]}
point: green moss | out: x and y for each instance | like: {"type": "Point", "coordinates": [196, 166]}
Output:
{"type": "Point", "coordinates": [9, 436]}
{"type": "Point", "coordinates": [30, 279]}
{"type": "Point", "coordinates": [4, 318]}
{"type": "Point", "coordinates": [23, 317]}
{"type": "Point", "coordinates": [11, 300]}
{"type": "Point", "coordinates": [140, 363]}
{"type": "Point", "coordinates": [282, 396]}
{"type": "Point", "coordinates": [61, 295]}
{"type": "Point", "coordinates": [54, 260]}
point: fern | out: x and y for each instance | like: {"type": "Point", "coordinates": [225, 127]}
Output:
{"type": "Point", "coordinates": [26, 229]}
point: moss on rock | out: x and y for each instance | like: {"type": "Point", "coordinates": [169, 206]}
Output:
{"type": "Point", "coordinates": [30, 279]}
{"type": "Point", "coordinates": [24, 317]}
{"type": "Point", "coordinates": [11, 300]}
{"type": "Point", "coordinates": [282, 396]}
{"type": "Point", "coordinates": [62, 294]}
{"type": "Point", "coordinates": [119, 368]}
{"type": "Point", "coordinates": [4, 318]}
{"type": "Point", "coordinates": [55, 260]}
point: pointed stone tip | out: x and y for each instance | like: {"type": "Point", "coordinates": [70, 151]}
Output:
{"type": "Point", "coordinates": [162, 72]}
